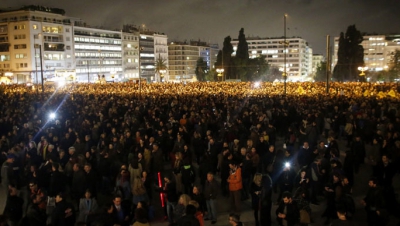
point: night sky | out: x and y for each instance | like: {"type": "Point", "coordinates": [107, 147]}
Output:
{"type": "Point", "coordinates": [213, 20]}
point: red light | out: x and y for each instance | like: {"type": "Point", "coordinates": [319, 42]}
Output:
{"type": "Point", "coordinates": [160, 185]}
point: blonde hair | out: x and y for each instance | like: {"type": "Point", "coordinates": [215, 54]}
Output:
{"type": "Point", "coordinates": [257, 179]}
{"type": "Point", "coordinates": [185, 198]}
{"type": "Point", "coordinates": [194, 203]}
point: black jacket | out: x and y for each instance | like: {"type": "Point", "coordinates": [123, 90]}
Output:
{"type": "Point", "coordinates": [211, 190]}
{"type": "Point", "coordinates": [188, 220]}
{"type": "Point", "coordinates": [63, 214]}
{"type": "Point", "coordinates": [292, 213]}
{"type": "Point", "coordinates": [57, 183]}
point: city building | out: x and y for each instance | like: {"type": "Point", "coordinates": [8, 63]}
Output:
{"type": "Point", "coordinates": [36, 42]}
{"type": "Point", "coordinates": [378, 51]}
{"type": "Point", "coordinates": [316, 62]}
{"type": "Point", "coordinates": [98, 54]}
{"type": "Point", "coordinates": [298, 54]}
{"type": "Point", "coordinates": [183, 58]}
{"type": "Point", "coordinates": [130, 52]}
{"type": "Point", "coordinates": [39, 42]}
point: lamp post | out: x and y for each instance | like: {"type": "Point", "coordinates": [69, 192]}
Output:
{"type": "Point", "coordinates": [362, 74]}
{"type": "Point", "coordinates": [220, 71]}
{"type": "Point", "coordinates": [41, 64]}
{"type": "Point", "coordinates": [162, 72]}
{"type": "Point", "coordinates": [285, 44]}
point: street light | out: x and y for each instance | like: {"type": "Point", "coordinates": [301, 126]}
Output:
{"type": "Point", "coordinates": [162, 72]}
{"type": "Point", "coordinates": [220, 71]}
{"type": "Point", "coordinates": [285, 44]}
{"type": "Point", "coordinates": [362, 69]}
{"type": "Point", "coordinates": [362, 74]}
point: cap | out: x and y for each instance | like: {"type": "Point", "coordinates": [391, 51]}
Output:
{"type": "Point", "coordinates": [11, 156]}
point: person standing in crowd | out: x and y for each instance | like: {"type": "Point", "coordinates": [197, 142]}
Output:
{"type": "Point", "coordinates": [255, 191]}
{"type": "Point", "coordinates": [121, 212]}
{"type": "Point", "coordinates": [235, 187]}
{"type": "Point", "coordinates": [385, 171]}
{"type": "Point", "coordinates": [358, 147]}
{"type": "Point", "coordinates": [14, 207]}
{"type": "Point", "coordinates": [199, 198]}
{"type": "Point", "coordinates": [64, 213]}
{"type": "Point", "coordinates": [286, 179]}
{"type": "Point", "coordinates": [169, 190]}
{"type": "Point", "coordinates": [211, 191]}
{"type": "Point", "coordinates": [334, 195]}
{"type": "Point", "coordinates": [7, 172]}
{"type": "Point", "coordinates": [87, 207]}
{"type": "Point", "coordinates": [180, 207]}
{"type": "Point", "coordinates": [374, 204]}
{"type": "Point", "coordinates": [287, 211]}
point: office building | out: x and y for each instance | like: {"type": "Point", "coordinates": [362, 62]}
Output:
{"type": "Point", "coordinates": [183, 58]}
{"type": "Point", "coordinates": [378, 51]}
{"type": "Point", "coordinates": [298, 55]}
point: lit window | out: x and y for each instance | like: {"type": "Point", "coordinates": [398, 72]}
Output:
{"type": "Point", "coordinates": [129, 46]}
{"type": "Point", "coordinates": [35, 27]}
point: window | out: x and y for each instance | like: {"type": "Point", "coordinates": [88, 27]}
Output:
{"type": "Point", "coordinates": [21, 46]}
{"type": "Point", "coordinates": [66, 29]}
{"type": "Point", "coordinates": [36, 36]}
{"type": "Point", "coordinates": [35, 27]}
{"type": "Point", "coordinates": [129, 46]}
{"type": "Point", "coordinates": [68, 39]}
{"type": "Point", "coordinates": [20, 56]}
{"type": "Point", "coordinates": [19, 37]}
{"type": "Point", "coordinates": [19, 27]}
{"type": "Point", "coordinates": [21, 65]}
{"type": "Point", "coordinates": [4, 58]}
{"type": "Point", "coordinates": [68, 47]}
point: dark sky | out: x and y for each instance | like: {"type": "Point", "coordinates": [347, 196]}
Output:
{"type": "Point", "coordinates": [213, 20]}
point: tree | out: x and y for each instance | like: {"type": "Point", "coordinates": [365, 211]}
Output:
{"type": "Point", "coordinates": [257, 69]}
{"type": "Point", "coordinates": [242, 51]}
{"type": "Point", "coordinates": [273, 74]}
{"type": "Point", "coordinates": [350, 55]}
{"type": "Point", "coordinates": [224, 57]}
{"type": "Point", "coordinates": [240, 61]}
{"type": "Point", "coordinates": [394, 66]}
{"type": "Point", "coordinates": [160, 64]}
{"type": "Point", "coordinates": [320, 74]}
{"type": "Point", "coordinates": [201, 69]}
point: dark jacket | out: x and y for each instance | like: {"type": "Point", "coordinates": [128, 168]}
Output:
{"type": "Point", "coordinates": [63, 214]}
{"type": "Point", "coordinates": [200, 200]}
{"type": "Point", "coordinates": [211, 190]}
{"type": "Point", "coordinates": [188, 220]}
{"type": "Point", "coordinates": [57, 183]}
{"type": "Point", "coordinates": [13, 208]}
{"type": "Point", "coordinates": [292, 213]}
{"type": "Point", "coordinates": [170, 191]}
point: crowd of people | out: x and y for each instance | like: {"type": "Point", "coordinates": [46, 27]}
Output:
{"type": "Point", "coordinates": [66, 148]}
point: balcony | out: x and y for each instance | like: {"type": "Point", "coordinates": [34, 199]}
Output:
{"type": "Point", "coordinates": [5, 47]}
{"type": "Point", "coordinates": [53, 47]}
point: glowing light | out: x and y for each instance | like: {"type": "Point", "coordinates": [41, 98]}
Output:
{"type": "Point", "coordinates": [257, 84]}
{"type": "Point", "coordinates": [287, 164]}
{"type": "Point", "coordinates": [160, 185]}
{"type": "Point", "coordinates": [52, 115]}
